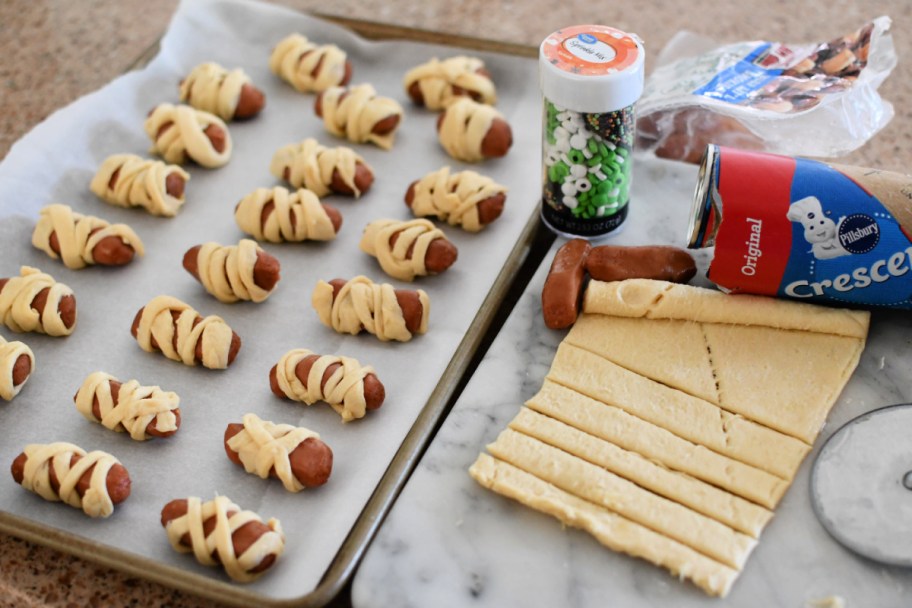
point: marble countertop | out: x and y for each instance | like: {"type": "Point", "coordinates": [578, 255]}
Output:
{"type": "Point", "coordinates": [57, 50]}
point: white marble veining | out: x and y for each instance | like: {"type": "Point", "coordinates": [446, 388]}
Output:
{"type": "Point", "coordinates": [450, 542]}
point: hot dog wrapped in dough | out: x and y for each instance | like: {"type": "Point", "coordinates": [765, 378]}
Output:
{"type": "Point", "coordinates": [17, 362]}
{"type": "Point", "coordinates": [436, 84]}
{"type": "Point", "coordinates": [93, 481]}
{"type": "Point", "coordinates": [309, 67]}
{"type": "Point", "coordinates": [350, 388]}
{"type": "Point", "coordinates": [127, 180]}
{"type": "Point", "coordinates": [322, 170]}
{"type": "Point", "coordinates": [293, 454]}
{"type": "Point", "coordinates": [357, 305]}
{"type": "Point", "coordinates": [462, 198]}
{"type": "Point", "coordinates": [234, 272]}
{"type": "Point", "coordinates": [181, 133]}
{"type": "Point", "coordinates": [82, 240]}
{"type": "Point", "coordinates": [278, 216]}
{"type": "Point", "coordinates": [230, 95]}
{"type": "Point", "coordinates": [359, 114]}
{"type": "Point", "coordinates": [219, 532]}
{"type": "Point", "coordinates": [141, 411]}
{"type": "Point", "coordinates": [175, 329]}
{"type": "Point", "coordinates": [34, 301]}
{"type": "Point", "coordinates": [408, 249]}
{"type": "Point", "coordinates": [472, 132]}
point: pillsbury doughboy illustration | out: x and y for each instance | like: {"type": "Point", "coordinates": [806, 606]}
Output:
{"type": "Point", "coordinates": [819, 230]}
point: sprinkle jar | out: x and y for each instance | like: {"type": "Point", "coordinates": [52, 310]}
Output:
{"type": "Point", "coordinates": [591, 76]}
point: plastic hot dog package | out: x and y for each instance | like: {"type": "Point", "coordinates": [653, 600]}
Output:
{"type": "Point", "coordinates": [796, 99]}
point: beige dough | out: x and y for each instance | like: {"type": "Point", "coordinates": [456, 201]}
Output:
{"type": "Point", "coordinates": [212, 88]}
{"type": "Point", "coordinates": [137, 406]}
{"type": "Point", "coordinates": [352, 112]}
{"type": "Point", "coordinates": [368, 306]}
{"type": "Point", "coordinates": [454, 197]}
{"type": "Point", "coordinates": [9, 354]}
{"type": "Point", "coordinates": [693, 419]}
{"type": "Point", "coordinates": [226, 271]}
{"type": "Point", "coordinates": [296, 58]}
{"type": "Point", "coordinates": [96, 502]}
{"type": "Point", "coordinates": [601, 487]}
{"type": "Point", "coordinates": [732, 511]}
{"type": "Point", "coordinates": [311, 165]}
{"type": "Point", "coordinates": [297, 216]}
{"type": "Point", "coordinates": [612, 530]}
{"type": "Point", "coordinates": [439, 80]}
{"type": "Point", "coordinates": [78, 235]}
{"type": "Point", "coordinates": [657, 444]}
{"type": "Point", "coordinates": [343, 391]}
{"type": "Point", "coordinates": [185, 139]}
{"type": "Point", "coordinates": [156, 322]}
{"type": "Point", "coordinates": [263, 445]}
{"type": "Point", "coordinates": [140, 183]}
{"type": "Point", "coordinates": [16, 297]}
{"type": "Point", "coordinates": [416, 235]}
{"type": "Point", "coordinates": [662, 300]}
{"type": "Point", "coordinates": [228, 518]}
{"type": "Point", "coordinates": [464, 126]}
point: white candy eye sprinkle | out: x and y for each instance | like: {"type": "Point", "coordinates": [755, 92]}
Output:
{"type": "Point", "coordinates": [570, 202]}
{"type": "Point", "coordinates": [571, 126]}
{"type": "Point", "coordinates": [563, 145]}
{"type": "Point", "coordinates": [568, 188]}
{"type": "Point", "coordinates": [578, 141]}
{"type": "Point", "coordinates": [583, 185]}
{"type": "Point", "coordinates": [561, 133]}
{"type": "Point", "coordinates": [578, 171]}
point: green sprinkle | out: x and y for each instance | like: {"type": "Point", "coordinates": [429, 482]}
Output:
{"type": "Point", "coordinates": [595, 160]}
{"type": "Point", "coordinates": [593, 146]}
{"type": "Point", "coordinates": [576, 157]}
{"type": "Point", "coordinates": [600, 199]}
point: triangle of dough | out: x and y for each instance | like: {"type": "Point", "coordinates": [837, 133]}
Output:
{"type": "Point", "coordinates": [668, 351]}
{"type": "Point", "coordinates": [786, 380]}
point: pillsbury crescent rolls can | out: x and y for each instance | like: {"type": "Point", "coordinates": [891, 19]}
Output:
{"type": "Point", "coordinates": [803, 229]}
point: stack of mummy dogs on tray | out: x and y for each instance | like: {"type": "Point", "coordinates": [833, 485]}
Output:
{"type": "Point", "coordinates": [196, 131]}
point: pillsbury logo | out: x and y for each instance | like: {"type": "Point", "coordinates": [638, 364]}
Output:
{"type": "Point", "coordinates": [859, 233]}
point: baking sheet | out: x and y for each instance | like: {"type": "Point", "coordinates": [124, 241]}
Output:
{"type": "Point", "coordinates": [55, 163]}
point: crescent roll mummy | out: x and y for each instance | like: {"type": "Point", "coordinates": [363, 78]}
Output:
{"type": "Point", "coordinates": [436, 84]}
{"type": "Point", "coordinates": [277, 215]}
{"type": "Point", "coordinates": [309, 67]}
{"type": "Point", "coordinates": [408, 249]}
{"type": "Point", "coordinates": [175, 329]}
{"type": "Point", "coordinates": [293, 454]}
{"type": "Point", "coordinates": [234, 272]}
{"type": "Point", "coordinates": [17, 362]}
{"type": "Point", "coordinates": [359, 114]}
{"type": "Point", "coordinates": [357, 305]}
{"type": "Point", "coordinates": [219, 532]}
{"type": "Point", "coordinates": [181, 133]}
{"type": "Point", "coordinates": [127, 180]}
{"type": "Point", "coordinates": [81, 240]}
{"type": "Point", "coordinates": [229, 95]}
{"type": "Point", "coordinates": [347, 386]}
{"type": "Point", "coordinates": [462, 198]}
{"type": "Point", "coordinates": [322, 170]}
{"type": "Point", "coordinates": [470, 131]}
{"type": "Point", "coordinates": [34, 301]}
{"type": "Point", "coordinates": [141, 411]}
{"type": "Point", "coordinates": [93, 481]}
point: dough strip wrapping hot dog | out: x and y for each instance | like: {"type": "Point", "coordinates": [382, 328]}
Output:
{"type": "Point", "coordinates": [179, 133]}
{"type": "Point", "coordinates": [355, 112]}
{"type": "Point", "coordinates": [309, 67]}
{"type": "Point", "coordinates": [227, 94]}
{"type": "Point", "coordinates": [127, 180]}
{"type": "Point", "coordinates": [83, 240]}
{"type": "Point", "coordinates": [406, 249]}
{"type": "Point", "coordinates": [439, 83]}
{"type": "Point", "coordinates": [310, 165]}
{"type": "Point", "coordinates": [462, 198]}
{"type": "Point", "coordinates": [20, 307]}
{"type": "Point", "coordinates": [277, 215]}
{"type": "Point", "coordinates": [242, 566]}
{"type": "Point", "coordinates": [362, 305]}
{"type": "Point", "coordinates": [129, 407]}
{"type": "Point", "coordinates": [12, 374]}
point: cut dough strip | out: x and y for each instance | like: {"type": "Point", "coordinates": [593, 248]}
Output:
{"type": "Point", "coordinates": [688, 417]}
{"type": "Point", "coordinates": [614, 531]}
{"type": "Point", "coordinates": [599, 486]}
{"type": "Point", "coordinates": [702, 497]}
{"type": "Point", "coordinates": [10, 353]}
{"type": "Point", "coordinates": [657, 444]}
{"type": "Point", "coordinates": [664, 300]}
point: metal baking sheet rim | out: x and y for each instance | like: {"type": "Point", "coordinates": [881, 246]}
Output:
{"type": "Point", "coordinates": [343, 565]}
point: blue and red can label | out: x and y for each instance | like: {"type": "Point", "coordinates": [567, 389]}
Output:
{"type": "Point", "coordinates": [807, 230]}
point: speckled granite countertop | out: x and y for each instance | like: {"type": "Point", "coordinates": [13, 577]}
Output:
{"type": "Point", "coordinates": [54, 51]}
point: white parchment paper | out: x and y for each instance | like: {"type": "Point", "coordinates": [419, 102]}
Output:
{"type": "Point", "coordinates": [55, 162]}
